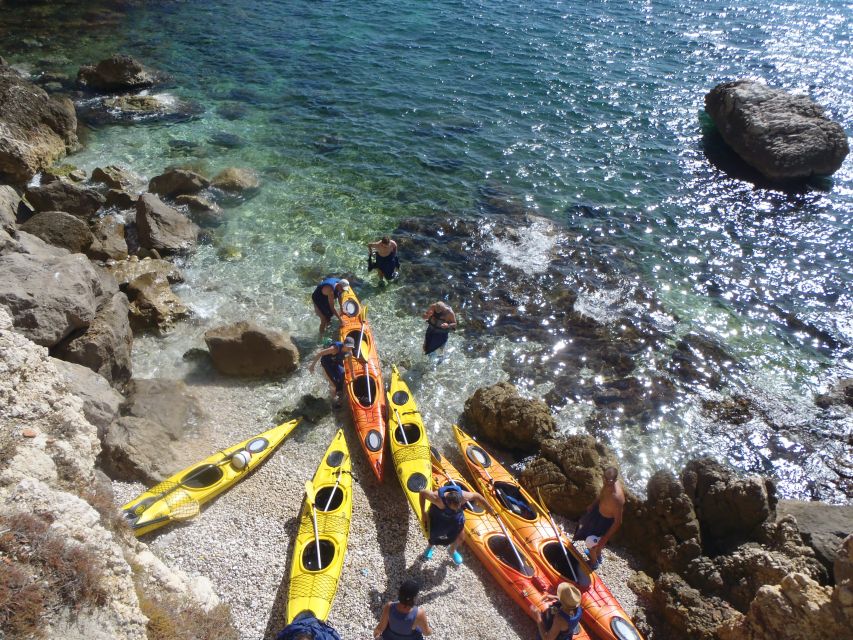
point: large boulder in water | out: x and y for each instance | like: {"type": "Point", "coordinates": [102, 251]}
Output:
{"type": "Point", "coordinates": [118, 73]}
{"type": "Point", "coordinates": [37, 129]}
{"type": "Point", "coordinates": [782, 135]}
{"type": "Point", "coordinates": [245, 349]}
{"type": "Point", "coordinates": [176, 182]}
{"type": "Point", "coordinates": [163, 228]}
{"type": "Point", "coordinates": [236, 179]}
{"type": "Point", "coordinates": [501, 415]}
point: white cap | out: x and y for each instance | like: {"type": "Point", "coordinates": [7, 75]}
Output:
{"type": "Point", "coordinates": [344, 284]}
{"type": "Point", "coordinates": [591, 541]}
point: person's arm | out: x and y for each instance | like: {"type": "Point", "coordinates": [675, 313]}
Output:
{"type": "Point", "coordinates": [320, 354]}
{"type": "Point", "coordinates": [383, 621]}
{"type": "Point", "coordinates": [450, 324]}
{"type": "Point", "coordinates": [422, 623]}
{"type": "Point", "coordinates": [331, 298]}
{"type": "Point", "coordinates": [429, 312]}
{"type": "Point", "coordinates": [476, 498]}
{"type": "Point", "coordinates": [373, 246]}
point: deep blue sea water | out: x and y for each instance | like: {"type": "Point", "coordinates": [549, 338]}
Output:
{"type": "Point", "coordinates": [358, 115]}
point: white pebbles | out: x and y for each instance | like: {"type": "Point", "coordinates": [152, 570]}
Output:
{"type": "Point", "coordinates": [242, 540]}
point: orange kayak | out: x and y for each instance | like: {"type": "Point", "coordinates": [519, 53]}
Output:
{"type": "Point", "coordinates": [528, 586]}
{"type": "Point", "coordinates": [602, 613]}
{"type": "Point", "coordinates": [363, 381]}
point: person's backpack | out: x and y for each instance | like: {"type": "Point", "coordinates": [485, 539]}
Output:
{"type": "Point", "coordinates": [309, 623]}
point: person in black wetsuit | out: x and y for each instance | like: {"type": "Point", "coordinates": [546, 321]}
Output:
{"type": "Point", "coordinates": [563, 617]}
{"type": "Point", "coordinates": [324, 297]}
{"type": "Point", "coordinates": [332, 359]}
{"type": "Point", "coordinates": [440, 321]}
{"type": "Point", "coordinates": [383, 256]}
{"type": "Point", "coordinates": [446, 518]}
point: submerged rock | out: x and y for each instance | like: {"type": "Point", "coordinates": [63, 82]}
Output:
{"type": "Point", "coordinates": [141, 108]}
{"type": "Point", "coordinates": [236, 179]}
{"type": "Point", "coordinates": [782, 135]}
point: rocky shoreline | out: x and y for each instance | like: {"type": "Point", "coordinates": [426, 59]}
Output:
{"type": "Point", "coordinates": [84, 263]}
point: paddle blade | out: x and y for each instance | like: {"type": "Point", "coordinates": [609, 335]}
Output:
{"type": "Point", "coordinates": [310, 494]}
{"type": "Point", "coordinates": [364, 313]}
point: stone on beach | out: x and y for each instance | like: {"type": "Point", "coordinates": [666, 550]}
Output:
{"type": "Point", "coordinates": [245, 349]}
{"type": "Point", "coordinates": [64, 196]}
{"type": "Point", "coordinates": [61, 230]}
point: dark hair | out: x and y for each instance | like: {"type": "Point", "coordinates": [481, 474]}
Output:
{"type": "Point", "coordinates": [611, 473]}
{"type": "Point", "coordinates": [408, 591]}
{"type": "Point", "coordinates": [386, 240]}
{"type": "Point", "coordinates": [453, 497]}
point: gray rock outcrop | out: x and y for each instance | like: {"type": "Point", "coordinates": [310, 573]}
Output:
{"type": "Point", "coordinates": [163, 228]}
{"type": "Point", "coordinates": [37, 128]}
{"type": "Point", "coordinates": [822, 526]}
{"type": "Point", "coordinates": [502, 416]}
{"type": "Point", "coordinates": [118, 73]}
{"type": "Point", "coordinates": [245, 349]}
{"type": "Point", "coordinates": [105, 347]}
{"type": "Point", "coordinates": [64, 196]}
{"type": "Point", "coordinates": [176, 182]}
{"type": "Point", "coordinates": [108, 240]}
{"type": "Point", "coordinates": [9, 201]}
{"type": "Point", "coordinates": [101, 403]}
{"type": "Point", "coordinates": [61, 230]}
{"type": "Point", "coordinates": [782, 135]}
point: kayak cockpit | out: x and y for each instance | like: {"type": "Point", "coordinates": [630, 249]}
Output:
{"type": "Point", "coordinates": [555, 557]}
{"type": "Point", "coordinates": [502, 550]}
{"type": "Point", "coordinates": [512, 499]}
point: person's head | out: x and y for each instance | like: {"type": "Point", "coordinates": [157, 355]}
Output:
{"type": "Point", "coordinates": [349, 343]}
{"type": "Point", "coordinates": [342, 285]}
{"type": "Point", "coordinates": [570, 597]}
{"type": "Point", "coordinates": [385, 240]}
{"type": "Point", "coordinates": [610, 475]}
{"type": "Point", "coordinates": [442, 306]}
{"type": "Point", "coordinates": [453, 498]}
{"type": "Point", "coordinates": [408, 592]}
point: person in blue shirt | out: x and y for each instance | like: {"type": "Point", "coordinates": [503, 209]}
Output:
{"type": "Point", "coordinates": [401, 619]}
{"type": "Point", "coordinates": [332, 360]}
{"type": "Point", "coordinates": [563, 617]}
{"type": "Point", "coordinates": [324, 297]}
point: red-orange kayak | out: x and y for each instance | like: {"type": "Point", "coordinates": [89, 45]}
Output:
{"type": "Point", "coordinates": [363, 381]}
{"type": "Point", "coordinates": [602, 613]}
{"type": "Point", "coordinates": [528, 586]}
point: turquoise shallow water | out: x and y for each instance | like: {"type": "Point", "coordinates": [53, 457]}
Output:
{"type": "Point", "coordinates": [358, 115]}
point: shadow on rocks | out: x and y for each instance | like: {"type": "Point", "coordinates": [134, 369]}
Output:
{"type": "Point", "coordinates": [278, 612]}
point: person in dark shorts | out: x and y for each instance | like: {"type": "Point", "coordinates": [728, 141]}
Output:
{"type": "Point", "coordinates": [401, 619]}
{"type": "Point", "coordinates": [603, 517]}
{"type": "Point", "coordinates": [562, 620]}
{"type": "Point", "coordinates": [324, 297]}
{"type": "Point", "coordinates": [440, 321]}
{"type": "Point", "coordinates": [383, 256]}
{"type": "Point", "coordinates": [332, 360]}
{"type": "Point", "coordinates": [446, 518]}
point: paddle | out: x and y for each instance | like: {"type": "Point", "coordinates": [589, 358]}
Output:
{"type": "Point", "coordinates": [337, 481]}
{"type": "Point", "coordinates": [402, 430]}
{"type": "Point", "coordinates": [361, 335]}
{"type": "Point", "coordinates": [310, 495]}
{"type": "Point", "coordinates": [547, 513]}
{"type": "Point", "coordinates": [369, 394]}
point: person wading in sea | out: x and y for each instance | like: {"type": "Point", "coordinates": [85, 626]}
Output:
{"type": "Point", "coordinates": [603, 517]}
{"type": "Point", "coordinates": [383, 256]}
{"type": "Point", "coordinates": [440, 321]}
{"type": "Point", "coordinates": [332, 359]}
{"type": "Point", "coordinates": [445, 519]}
{"type": "Point", "coordinates": [324, 297]}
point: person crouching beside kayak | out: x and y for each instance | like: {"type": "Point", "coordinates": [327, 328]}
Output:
{"type": "Point", "coordinates": [562, 618]}
{"type": "Point", "coordinates": [324, 297]}
{"type": "Point", "coordinates": [384, 259]}
{"type": "Point", "coordinates": [402, 620]}
{"type": "Point", "coordinates": [446, 518]}
{"type": "Point", "coordinates": [332, 360]}
{"type": "Point", "coordinates": [440, 321]}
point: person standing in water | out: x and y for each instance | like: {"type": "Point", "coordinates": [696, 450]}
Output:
{"type": "Point", "coordinates": [324, 297]}
{"type": "Point", "coordinates": [440, 321]}
{"type": "Point", "coordinates": [401, 619]}
{"type": "Point", "coordinates": [332, 360]}
{"type": "Point", "coordinates": [383, 256]}
{"type": "Point", "coordinates": [603, 517]}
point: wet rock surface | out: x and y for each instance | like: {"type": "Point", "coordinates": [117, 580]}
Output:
{"type": "Point", "coordinates": [502, 416]}
{"type": "Point", "coordinates": [245, 349]}
{"type": "Point", "coordinates": [37, 128]}
{"type": "Point", "coordinates": [784, 136]}
{"type": "Point", "coordinates": [153, 304]}
{"type": "Point", "coordinates": [163, 228]}
{"type": "Point", "coordinates": [176, 182]}
{"type": "Point", "coordinates": [118, 72]}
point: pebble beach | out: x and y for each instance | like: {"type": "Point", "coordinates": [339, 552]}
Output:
{"type": "Point", "coordinates": [243, 539]}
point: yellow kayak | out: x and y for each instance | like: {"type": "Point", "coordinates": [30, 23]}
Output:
{"type": "Point", "coordinates": [409, 444]}
{"type": "Point", "coordinates": [313, 584]}
{"type": "Point", "coordinates": [180, 496]}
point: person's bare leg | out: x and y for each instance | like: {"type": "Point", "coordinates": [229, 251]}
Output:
{"type": "Point", "coordinates": [323, 321]}
{"type": "Point", "coordinates": [454, 546]}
